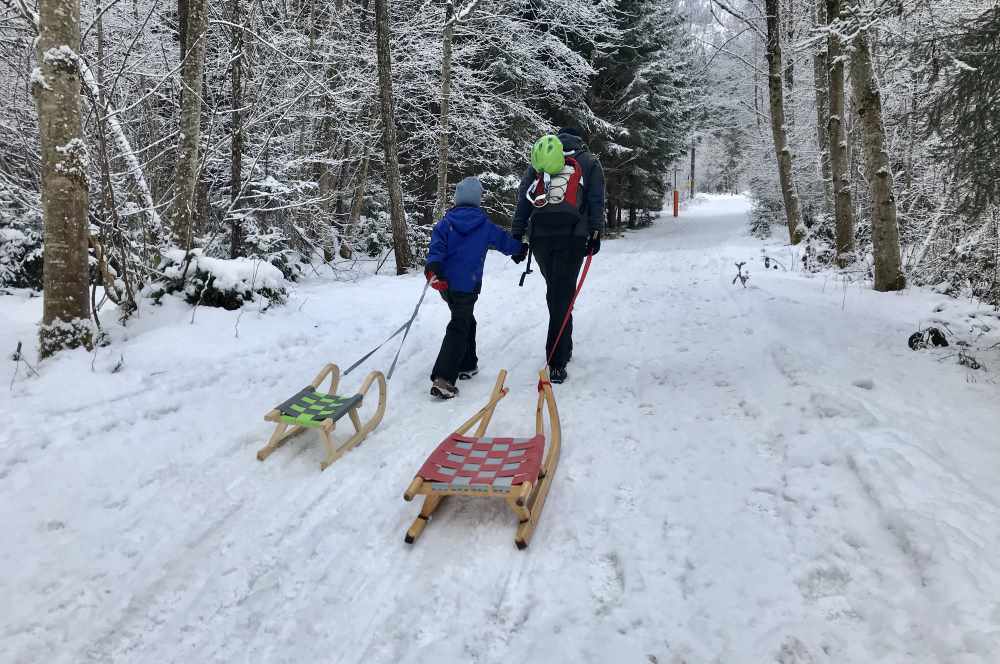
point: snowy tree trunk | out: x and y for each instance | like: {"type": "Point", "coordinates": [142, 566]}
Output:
{"type": "Point", "coordinates": [885, 234]}
{"type": "Point", "coordinates": [188, 161]}
{"type": "Point", "coordinates": [821, 79]}
{"type": "Point", "coordinates": [444, 130]}
{"type": "Point", "coordinates": [236, 143]}
{"type": "Point", "coordinates": [390, 143]}
{"type": "Point", "coordinates": [782, 150]}
{"type": "Point", "coordinates": [691, 183]}
{"type": "Point", "coordinates": [56, 88]}
{"type": "Point", "coordinates": [843, 203]}
{"type": "Point", "coordinates": [359, 199]}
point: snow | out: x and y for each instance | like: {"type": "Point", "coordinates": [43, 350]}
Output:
{"type": "Point", "coordinates": [748, 475]}
{"type": "Point", "coordinates": [61, 56]}
{"type": "Point", "coordinates": [75, 161]}
{"type": "Point", "coordinates": [12, 235]}
{"type": "Point", "coordinates": [230, 274]}
{"type": "Point", "coordinates": [37, 78]}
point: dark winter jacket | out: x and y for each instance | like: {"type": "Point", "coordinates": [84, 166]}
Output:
{"type": "Point", "coordinates": [459, 245]}
{"type": "Point", "coordinates": [593, 197]}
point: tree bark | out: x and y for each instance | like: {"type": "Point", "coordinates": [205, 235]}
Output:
{"type": "Point", "coordinates": [782, 151]}
{"type": "Point", "coordinates": [788, 15]}
{"type": "Point", "coordinates": [186, 172]}
{"type": "Point", "coordinates": [390, 142]}
{"type": "Point", "coordinates": [56, 88]}
{"type": "Point", "coordinates": [885, 234]}
{"type": "Point", "coordinates": [843, 204]}
{"type": "Point", "coordinates": [359, 199]}
{"type": "Point", "coordinates": [821, 78]}
{"type": "Point", "coordinates": [444, 130]}
{"type": "Point", "coordinates": [692, 170]}
{"type": "Point", "coordinates": [236, 143]}
{"type": "Point", "coordinates": [182, 26]}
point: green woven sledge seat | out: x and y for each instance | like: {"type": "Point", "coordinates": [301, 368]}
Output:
{"type": "Point", "coordinates": [310, 408]}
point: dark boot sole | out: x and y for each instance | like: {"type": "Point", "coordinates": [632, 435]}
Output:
{"type": "Point", "coordinates": [441, 394]}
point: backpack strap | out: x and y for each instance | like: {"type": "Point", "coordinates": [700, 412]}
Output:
{"type": "Point", "coordinates": [585, 205]}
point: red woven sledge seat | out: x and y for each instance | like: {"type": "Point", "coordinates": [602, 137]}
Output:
{"type": "Point", "coordinates": [465, 463]}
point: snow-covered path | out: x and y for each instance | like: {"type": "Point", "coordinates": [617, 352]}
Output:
{"type": "Point", "coordinates": [748, 475]}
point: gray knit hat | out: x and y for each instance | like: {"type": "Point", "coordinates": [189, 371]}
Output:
{"type": "Point", "coordinates": [469, 192]}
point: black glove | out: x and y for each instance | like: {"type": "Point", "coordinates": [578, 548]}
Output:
{"type": "Point", "coordinates": [594, 244]}
{"type": "Point", "coordinates": [520, 255]}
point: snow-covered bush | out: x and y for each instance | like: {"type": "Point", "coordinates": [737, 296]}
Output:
{"type": "Point", "coordinates": [818, 241]}
{"type": "Point", "coordinates": [20, 244]}
{"type": "Point", "coordinates": [767, 209]}
{"type": "Point", "coordinates": [373, 235]}
{"type": "Point", "coordinates": [219, 282]}
{"type": "Point", "coordinates": [273, 246]}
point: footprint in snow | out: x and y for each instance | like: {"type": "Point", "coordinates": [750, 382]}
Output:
{"type": "Point", "coordinates": [607, 582]}
{"type": "Point", "coordinates": [793, 651]}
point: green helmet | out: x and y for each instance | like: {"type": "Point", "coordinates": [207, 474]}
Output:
{"type": "Point", "coordinates": [547, 155]}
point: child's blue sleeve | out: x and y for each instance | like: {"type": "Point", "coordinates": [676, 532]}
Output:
{"type": "Point", "coordinates": [502, 242]}
{"type": "Point", "coordinates": [439, 244]}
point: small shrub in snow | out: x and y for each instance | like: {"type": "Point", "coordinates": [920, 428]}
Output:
{"type": "Point", "coordinates": [818, 240]}
{"type": "Point", "coordinates": [766, 211]}
{"type": "Point", "coordinates": [273, 246]}
{"type": "Point", "coordinates": [20, 244]}
{"type": "Point", "coordinates": [373, 235]}
{"type": "Point", "coordinates": [219, 282]}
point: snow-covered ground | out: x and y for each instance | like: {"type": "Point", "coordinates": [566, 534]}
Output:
{"type": "Point", "coordinates": [748, 475]}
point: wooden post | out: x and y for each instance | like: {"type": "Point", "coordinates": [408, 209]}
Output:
{"type": "Point", "coordinates": [677, 197]}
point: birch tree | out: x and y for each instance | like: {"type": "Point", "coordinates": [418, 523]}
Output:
{"type": "Point", "coordinates": [878, 171]}
{"type": "Point", "coordinates": [56, 88]}
{"type": "Point", "coordinates": [185, 186]}
{"type": "Point", "coordinates": [390, 141]}
{"type": "Point", "coordinates": [236, 142]}
{"type": "Point", "coordinates": [782, 149]}
{"type": "Point", "coordinates": [843, 204]}
{"type": "Point", "coordinates": [821, 84]}
{"type": "Point", "coordinates": [444, 131]}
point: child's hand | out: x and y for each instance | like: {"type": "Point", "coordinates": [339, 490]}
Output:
{"type": "Point", "coordinates": [439, 285]}
{"type": "Point", "coordinates": [520, 255]}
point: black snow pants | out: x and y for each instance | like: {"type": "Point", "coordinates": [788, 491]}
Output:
{"type": "Point", "coordinates": [458, 350]}
{"type": "Point", "coordinates": [559, 258]}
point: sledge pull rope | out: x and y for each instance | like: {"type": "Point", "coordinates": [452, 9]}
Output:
{"type": "Point", "coordinates": [569, 310]}
{"type": "Point", "coordinates": [404, 329]}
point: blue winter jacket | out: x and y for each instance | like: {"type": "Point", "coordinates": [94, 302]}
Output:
{"type": "Point", "coordinates": [459, 245]}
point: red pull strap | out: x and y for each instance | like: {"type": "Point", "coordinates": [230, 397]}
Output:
{"type": "Point", "coordinates": [569, 311]}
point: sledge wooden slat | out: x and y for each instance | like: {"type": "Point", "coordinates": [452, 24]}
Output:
{"type": "Point", "coordinates": [537, 500]}
{"type": "Point", "coordinates": [327, 426]}
{"type": "Point", "coordinates": [506, 467]}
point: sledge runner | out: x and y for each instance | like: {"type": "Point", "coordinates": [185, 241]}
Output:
{"type": "Point", "coordinates": [560, 207]}
{"type": "Point", "coordinates": [455, 269]}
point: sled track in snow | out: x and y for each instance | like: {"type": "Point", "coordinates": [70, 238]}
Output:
{"type": "Point", "coordinates": [748, 475]}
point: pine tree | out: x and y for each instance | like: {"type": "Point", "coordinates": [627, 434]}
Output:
{"type": "Point", "coordinates": [645, 98]}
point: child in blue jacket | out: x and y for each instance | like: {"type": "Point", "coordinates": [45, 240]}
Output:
{"type": "Point", "coordinates": [455, 269]}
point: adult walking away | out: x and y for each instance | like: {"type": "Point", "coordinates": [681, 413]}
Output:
{"type": "Point", "coordinates": [560, 208]}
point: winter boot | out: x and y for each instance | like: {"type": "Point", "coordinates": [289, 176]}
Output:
{"type": "Point", "coordinates": [466, 375]}
{"type": "Point", "coordinates": [558, 375]}
{"type": "Point", "coordinates": [442, 389]}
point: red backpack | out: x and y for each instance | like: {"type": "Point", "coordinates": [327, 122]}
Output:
{"type": "Point", "coordinates": [561, 193]}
